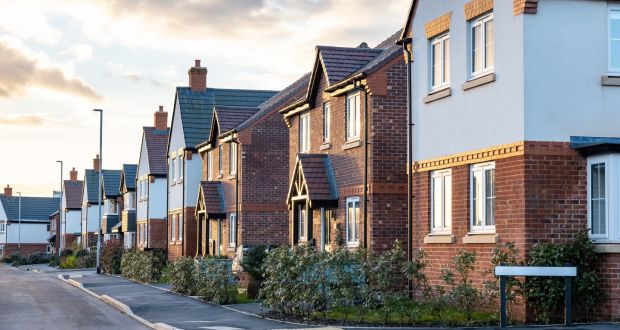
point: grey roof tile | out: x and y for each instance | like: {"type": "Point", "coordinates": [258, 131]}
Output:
{"type": "Point", "coordinates": [32, 208]}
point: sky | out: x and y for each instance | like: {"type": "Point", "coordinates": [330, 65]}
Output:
{"type": "Point", "coordinates": [61, 59]}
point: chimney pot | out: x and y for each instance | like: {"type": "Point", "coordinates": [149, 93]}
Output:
{"type": "Point", "coordinates": [8, 191]}
{"type": "Point", "coordinates": [96, 164]}
{"type": "Point", "coordinates": [197, 77]}
{"type": "Point", "coordinates": [161, 119]}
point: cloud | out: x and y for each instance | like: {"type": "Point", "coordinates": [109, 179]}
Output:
{"type": "Point", "coordinates": [25, 120]}
{"type": "Point", "coordinates": [80, 52]}
{"type": "Point", "coordinates": [20, 69]}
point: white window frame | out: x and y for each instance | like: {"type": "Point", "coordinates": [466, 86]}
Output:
{"type": "Point", "coordinates": [232, 230]}
{"type": "Point", "coordinates": [220, 159]}
{"type": "Point", "coordinates": [173, 227]}
{"type": "Point", "coordinates": [612, 197]}
{"type": "Point", "coordinates": [446, 201]}
{"type": "Point", "coordinates": [302, 223]}
{"type": "Point", "coordinates": [181, 224]}
{"type": "Point", "coordinates": [485, 69]}
{"type": "Point", "coordinates": [304, 133]}
{"type": "Point", "coordinates": [353, 116]}
{"type": "Point", "coordinates": [614, 10]}
{"type": "Point", "coordinates": [2, 227]}
{"type": "Point", "coordinates": [232, 159]}
{"type": "Point", "coordinates": [179, 168]}
{"type": "Point", "coordinates": [350, 202]}
{"type": "Point", "coordinates": [444, 59]}
{"type": "Point", "coordinates": [485, 228]}
{"type": "Point", "coordinates": [210, 165]}
{"type": "Point", "coordinates": [172, 173]}
{"type": "Point", "coordinates": [326, 122]}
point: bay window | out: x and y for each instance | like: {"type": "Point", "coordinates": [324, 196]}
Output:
{"type": "Point", "coordinates": [483, 197]}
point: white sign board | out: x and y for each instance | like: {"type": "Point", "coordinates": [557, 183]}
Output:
{"type": "Point", "coordinates": [535, 271]}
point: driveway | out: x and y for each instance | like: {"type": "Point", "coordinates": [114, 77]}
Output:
{"type": "Point", "coordinates": [30, 300]}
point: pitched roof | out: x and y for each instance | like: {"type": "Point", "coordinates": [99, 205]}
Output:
{"type": "Point", "coordinates": [91, 177]}
{"type": "Point", "coordinates": [36, 209]}
{"type": "Point", "coordinates": [212, 198]}
{"type": "Point", "coordinates": [314, 174]}
{"type": "Point", "coordinates": [129, 176]}
{"type": "Point", "coordinates": [156, 144]}
{"type": "Point", "coordinates": [196, 108]}
{"type": "Point", "coordinates": [111, 182]}
{"type": "Point", "coordinates": [229, 117]}
{"type": "Point", "coordinates": [287, 96]}
{"type": "Point", "coordinates": [340, 62]}
{"type": "Point", "coordinates": [73, 194]}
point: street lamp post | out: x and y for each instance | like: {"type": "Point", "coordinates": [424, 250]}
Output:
{"type": "Point", "coordinates": [19, 225]}
{"type": "Point", "coordinates": [99, 185]}
{"type": "Point", "coordinates": [64, 230]}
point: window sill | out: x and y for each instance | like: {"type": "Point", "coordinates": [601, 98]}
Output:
{"type": "Point", "coordinates": [231, 249]}
{"type": "Point", "coordinates": [436, 238]}
{"type": "Point", "coordinates": [479, 81]}
{"type": "Point", "coordinates": [325, 146]}
{"type": "Point", "coordinates": [353, 245]}
{"type": "Point", "coordinates": [437, 95]}
{"type": "Point", "coordinates": [481, 238]}
{"type": "Point", "coordinates": [232, 176]}
{"type": "Point", "coordinates": [607, 248]}
{"type": "Point", "coordinates": [607, 80]}
{"type": "Point", "coordinates": [351, 144]}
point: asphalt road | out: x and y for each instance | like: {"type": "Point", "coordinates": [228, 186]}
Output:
{"type": "Point", "coordinates": [30, 301]}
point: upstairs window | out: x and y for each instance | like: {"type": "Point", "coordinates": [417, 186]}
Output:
{"type": "Point", "coordinates": [482, 54]}
{"type": "Point", "coordinates": [483, 197]}
{"type": "Point", "coordinates": [179, 169]}
{"type": "Point", "coordinates": [353, 117]}
{"type": "Point", "coordinates": [129, 200]}
{"type": "Point", "coordinates": [210, 165]}
{"type": "Point", "coordinates": [441, 192]}
{"type": "Point", "coordinates": [232, 232]}
{"type": "Point", "coordinates": [219, 159]}
{"type": "Point", "coordinates": [172, 174]}
{"type": "Point", "coordinates": [232, 159]}
{"type": "Point", "coordinates": [440, 62]}
{"type": "Point", "coordinates": [614, 40]}
{"type": "Point", "coordinates": [2, 227]}
{"type": "Point", "coordinates": [326, 122]}
{"type": "Point", "coordinates": [304, 133]}
{"type": "Point", "coordinates": [180, 233]}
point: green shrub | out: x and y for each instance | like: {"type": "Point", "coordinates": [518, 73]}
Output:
{"type": "Point", "coordinates": [214, 282]}
{"type": "Point", "coordinates": [505, 254]}
{"type": "Point", "coordinates": [464, 295]}
{"type": "Point", "coordinates": [69, 262]}
{"type": "Point", "coordinates": [111, 256]}
{"type": "Point", "coordinates": [54, 261]}
{"type": "Point", "coordinates": [253, 260]}
{"type": "Point", "coordinates": [182, 276]}
{"type": "Point", "coordinates": [29, 259]}
{"type": "Point", "coordinates": [143, 266]}
{"type": "Point", "coordinates": [85, 259]}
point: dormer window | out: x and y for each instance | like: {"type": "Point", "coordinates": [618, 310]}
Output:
{"type": "Point", "coordinates": [440, 62]}
{"type": "Point", "coordinates": [353, 117]}
{"type": "Point", "coordinates": [482, 43]}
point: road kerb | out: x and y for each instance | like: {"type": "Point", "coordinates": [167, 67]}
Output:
{"type": "Point", "coordinates": [118, 305]}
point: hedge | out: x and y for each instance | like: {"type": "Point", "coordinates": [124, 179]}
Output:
{"type": "Point", "coordinates": [143, 266]}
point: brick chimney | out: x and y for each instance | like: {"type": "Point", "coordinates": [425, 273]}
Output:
{"type": "Point", "coordinates": [8, 191]}
{"type": "Point", "coordinates": [73, 175]}
{"type": "Point", "coordinates": [161, 118]}
{"type": "Point", "coordinates": [197, 77]}
{"type": "Point", "coordinates": [96, 163]}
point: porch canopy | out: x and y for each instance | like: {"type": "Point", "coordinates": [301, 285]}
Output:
{"type": "Point", "coordinates": [313, 182]}
{"type": "Point", "coordinates": [211, 200]}
{"type": "Point", "coordinates": [590, 145]}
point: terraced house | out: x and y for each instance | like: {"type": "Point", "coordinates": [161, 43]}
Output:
{"type": "Point", "coordinates": [112, 203]}
{"type": "Point", "coordinates": [152, 183]}
{"type": "Point", "coordinates": [71, 223]}
{"type": "Point", "coordinates": [90, 205]}
{"type": "Point", "coordinates": [347, 149]}
{"type": "Point", "coordinates": [191, 123]}
{"type": "Point", "coordinates": [516, 128]}
{"type": "Point", "coordinates": [241, 200]}
{"type": "Point", "coordinates": [126, 228]}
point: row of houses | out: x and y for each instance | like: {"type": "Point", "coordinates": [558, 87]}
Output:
{"type": "Point", "coordinates": [481, 122]}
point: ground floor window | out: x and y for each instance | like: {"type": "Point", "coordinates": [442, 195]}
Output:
{"type": "Point", "coordinates": [302, 222]}
{"type": "Point", "coordinates": [352, 220]}
{"type": "Point", "coordinates": [180, 233]}
{"type": "Point", "coordinates": [604, 197]}
{"type": "Point", "coordinates": [232, 231]}
{"type": "Point", "coordinates": [441, 201]}
{"type": "Point", "coordinates": [328, 226]}
{"type": "Point", "coordinates": [173, 227]}
{"type": "Point", "coordinates": [483, 197]}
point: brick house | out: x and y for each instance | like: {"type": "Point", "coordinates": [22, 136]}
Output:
{"type": "Point", "coordinates": [90, 205]}
{"type": "Point", "coordinates": [71, 225]}
{"type": "Point", "coordinates": [345, 135]}
{"type": "Point", "coordinates": [241, 200]}
{"type": "Point", "coordinates": [55, 231]}
{"type": "Point", "coordinates": [127, 226]}
{"type": "Point", "coordinates": [191, 121]}
{"type": "Point", "coordinates": [516, 128]}
{"type": "Point", "coordinates": [112, 203]}
{"type": "Point", "coordinates": [152, 185]}
{"type": "Point", "coordinates": [25, 223]}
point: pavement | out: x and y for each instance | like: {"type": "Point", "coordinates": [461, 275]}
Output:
{"type": "Point", "coordinates": [31, 300]}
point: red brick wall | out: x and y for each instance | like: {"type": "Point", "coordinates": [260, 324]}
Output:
{"type": "Point", "coordinates": [187, 246]}
{"type": "Point", "coordinates": [156, 233]}
{"type": "Point", "coordinates": [26, 248]}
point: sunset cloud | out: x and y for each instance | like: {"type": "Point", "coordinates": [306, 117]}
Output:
{"type": "Point", "coordinates": [26, 120]}
{"type": "Point", "coordinates": [20, 70]}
